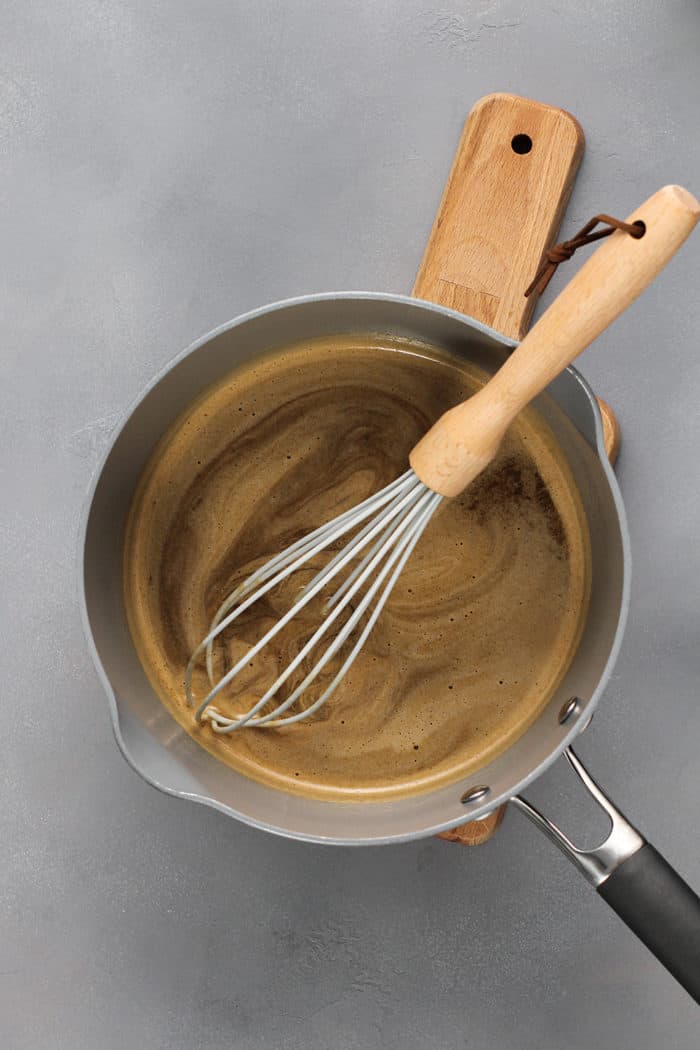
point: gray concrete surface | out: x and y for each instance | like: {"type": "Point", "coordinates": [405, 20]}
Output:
{"type": "Point", "coordinates": [164, 166]}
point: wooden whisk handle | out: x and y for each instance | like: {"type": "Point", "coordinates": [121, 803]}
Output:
{"type": "Point", "coordinates": [466, 438]}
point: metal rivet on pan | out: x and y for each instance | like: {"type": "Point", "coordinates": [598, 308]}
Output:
{"type": "Point", "coordinates": [475, 794]}
{"type": "Point", "coordinates": [568, 709]}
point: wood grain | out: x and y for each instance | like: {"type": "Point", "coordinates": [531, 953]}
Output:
{"type": "Point", "coordinates": [500, 211]}
{"type": "Point", "coordinates": [611, 431]}
{"type": "Point", "coordinates": [499, 214]}
{"type": "Point", "coordinates": [461, 444]}
{"type": "Point", "coordinates": [476, 831]}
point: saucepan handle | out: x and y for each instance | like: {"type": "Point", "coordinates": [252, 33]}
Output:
{"type": "Point", "coordinates": [637, 883]}
{"type": "Point", "coordinates": [662, 909]}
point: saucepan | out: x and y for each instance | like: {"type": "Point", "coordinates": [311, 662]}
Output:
{"type": "Point", "coordinates": [501, 209]}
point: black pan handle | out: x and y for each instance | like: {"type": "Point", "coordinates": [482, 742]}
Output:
{"type": "Point", "coordinates": [637, 883]}
{"type": "Point", "coordinates": [660, 907]}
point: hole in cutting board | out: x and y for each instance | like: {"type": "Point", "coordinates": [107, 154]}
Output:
{"type": "Point", "coordinates": [521, 143]}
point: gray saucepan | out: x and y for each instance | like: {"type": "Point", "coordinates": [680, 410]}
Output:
{"type": "Point", "coordinates": [625, 869]}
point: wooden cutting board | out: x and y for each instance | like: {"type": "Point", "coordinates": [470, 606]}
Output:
{"type": "Point", "coordinates": [510, 181]}
{"type": "Point", "coordinates": [505, 196]}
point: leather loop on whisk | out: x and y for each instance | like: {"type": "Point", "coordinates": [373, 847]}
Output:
{"type": "Point", "coordinates": [565, 249]}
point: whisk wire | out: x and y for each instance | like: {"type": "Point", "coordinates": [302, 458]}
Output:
{"type": "Point", "coordinates": [356, 543]}
{"type": "Point", "coordinates": [305, 550]}
{"type": "Point", "coordinates": [350, 517]}
{"type": "Point", "coordinates": [402, 539]}
{"type": "Point", "coordinates": [405, 501]}
{"type": "Point", "coordinates": [403, 551]}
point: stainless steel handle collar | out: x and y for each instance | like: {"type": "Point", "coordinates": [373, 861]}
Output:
{"type": "Point", "coordinates": [599, 863]}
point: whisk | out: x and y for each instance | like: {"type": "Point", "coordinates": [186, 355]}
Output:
{"type": "Point", "coordinates": [387, 526]}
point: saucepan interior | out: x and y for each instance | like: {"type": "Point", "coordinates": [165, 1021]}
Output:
{"type": "Point", "coordinates": [162, 752]}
